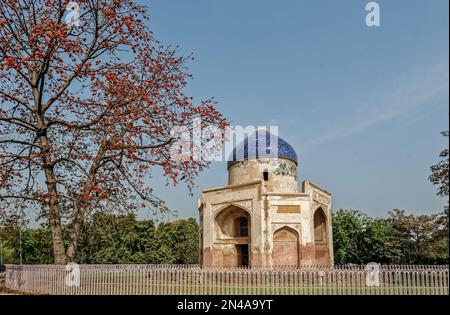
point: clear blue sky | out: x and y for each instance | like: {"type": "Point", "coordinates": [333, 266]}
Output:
{"type": "Point", "coordinates": [362, 107]}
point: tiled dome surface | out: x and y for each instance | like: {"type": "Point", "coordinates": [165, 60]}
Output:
{"type": "Point", "coordinates": [251, 144]}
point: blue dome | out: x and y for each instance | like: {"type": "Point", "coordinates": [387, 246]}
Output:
{"type": "Point", "coordinates": [249, 148]}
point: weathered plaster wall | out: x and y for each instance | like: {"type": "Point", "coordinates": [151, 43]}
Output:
{"type": "Point", "coordinates": [282, 174]}
{"type": "Point", "coordinates": [271, 206]}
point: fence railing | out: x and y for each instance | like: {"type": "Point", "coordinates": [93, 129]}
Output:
{"type": "Point", "coordinates": [335, 267]}
{"type": "Point", "coordinates": [2, 277]}
{"type": "Point", "coordinates": [192, 280]}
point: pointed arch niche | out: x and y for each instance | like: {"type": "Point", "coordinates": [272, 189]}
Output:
{"type": "Point", "coordinates": [320, 227]}
{"type": "Point", "coordinates": [232, 230]}
{"type": "Point", "coordinates": [321, 250]}
{"type": "Point", "coordinates": [285, 247]}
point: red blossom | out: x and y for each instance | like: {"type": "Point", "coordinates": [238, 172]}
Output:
{"type": "Point", "coordinates": [86, 112]}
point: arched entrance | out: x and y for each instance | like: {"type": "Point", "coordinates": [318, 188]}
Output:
{"type": "Point", "coordinates": [232, 237]}
{"type": "Point", "coordinates": [285, 247]}
{"type": "Point", "coordinates": [321, 250]}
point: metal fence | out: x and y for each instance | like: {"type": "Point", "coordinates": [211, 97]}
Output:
{"type": "Point", "coordinates": [2, 277]}
{"type": "Point", "coordinates": [328, 267]}
{"type": "Point", "coordinates": [192, 280]}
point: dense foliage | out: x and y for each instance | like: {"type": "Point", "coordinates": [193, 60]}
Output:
{"type": "Point", "coordinates": [440, 171]}
{"type": "Point", "coordinates": [399, 239]}
{"type": "Point", "coordinates": [110, 239]}
{"type": "Point", "coordinates": [89, 112]}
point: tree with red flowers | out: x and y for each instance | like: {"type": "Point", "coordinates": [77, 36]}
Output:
{"type": "Point", "coordinates": [87, 108]}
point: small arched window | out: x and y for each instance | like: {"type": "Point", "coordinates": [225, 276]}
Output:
{"type": "Point", "coordinates": [241, 227]}
{"type": "Point", "coordinates": [266, 175]}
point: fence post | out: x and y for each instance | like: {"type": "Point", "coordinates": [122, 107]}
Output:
{"type": "Point", "coordinates": [190, 279]}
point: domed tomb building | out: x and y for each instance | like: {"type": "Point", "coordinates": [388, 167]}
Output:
{"type": "Point", "coordinates": [261, 218]}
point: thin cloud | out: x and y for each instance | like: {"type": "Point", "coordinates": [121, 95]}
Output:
{"type": "Point", "coordinates": [409, 94]}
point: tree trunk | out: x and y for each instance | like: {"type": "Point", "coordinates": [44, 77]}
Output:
{"type": "Point", "coordinates": [59, 251]}
{"type": "Point", "coordinates": [54, 215]}
{"type": "Point", "coordinates": [82, 206]}
{"type": "Point", "coordinates": [75, 234]}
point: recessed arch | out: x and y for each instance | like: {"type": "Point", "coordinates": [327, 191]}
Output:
{"type": "Point", "coordinates": [231, 205]}
{"type": "Point", "coordinates": [232, 235]}
{"type": "Point", "coordinates": [286, 227]}
{"type": "Point", "coordinates": [285, 250]}
{"type": "Point", "coordinates": [225, 226]}
{"type": "Point", "coordinates": [320, 227]}
{"type": "Point", "coordinates": [321, 238]}
{"type": "Point", "coordinates": [320, 209]}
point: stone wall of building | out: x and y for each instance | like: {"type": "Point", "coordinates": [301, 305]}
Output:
{"type": "Point", "coordinates": [282, 174]}
{"type": "Point", "coordinates": [285, 226]}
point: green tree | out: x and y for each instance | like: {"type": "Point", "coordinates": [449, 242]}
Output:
{"type": "Point", "coordinates": [377, 240]}
{"type": "Point", "coordinates": [348, 230]}
{"type": "Point", "coordinates": [440, 177]}
{"type": "Point", "coordinates": [182, 237]}
{"type": "Point", "coordinates": [419, 239]}
{"type": "Point", "coordinates": [440, 171]}
{"type": "Point", "coordinates": [30, 246]}
{"type": "Point", "coordinates": [357, 238]}
{"type": "Point", "coordinates": [20, 243]}
{"type": "Point", "coordinates": [117, 239]}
